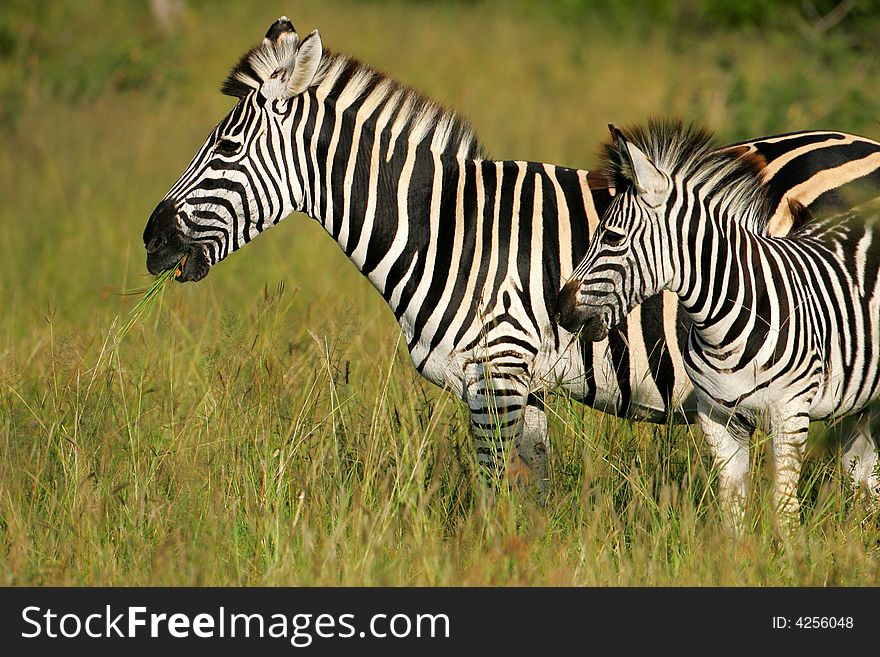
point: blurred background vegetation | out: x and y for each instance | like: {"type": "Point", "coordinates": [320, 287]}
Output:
{"type": "Point", "coordinates": [267, 427]}
{"type": "Point", "coordinates": [95, 94]}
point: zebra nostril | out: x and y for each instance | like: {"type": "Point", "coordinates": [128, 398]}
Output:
{"type": "Point", "coordinates": [155, 244]}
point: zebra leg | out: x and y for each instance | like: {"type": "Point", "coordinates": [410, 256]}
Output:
{"type": "Point", "coordinates": [730, 450]}
{"type": "Point", "coordinates": [789, 435]}
{"type": "Point", "coordinates": [858, 451]}
{"type": "Point", "coordinates": [498, 401]}
{"type": "Point", "coordinates": [533, 445]}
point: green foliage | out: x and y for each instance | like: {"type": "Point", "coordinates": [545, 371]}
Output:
{"type": "Point", "coordinates": [76, 51]}
{"type": "Point", "coordinates": [260, 433]}
{"type": "Point", "coordinates": [690, 17]}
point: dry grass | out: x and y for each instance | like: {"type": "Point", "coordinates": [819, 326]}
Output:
{"type": "Point", "coordinates": [268, 428]}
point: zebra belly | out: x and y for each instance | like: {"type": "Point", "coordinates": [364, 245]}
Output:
{"type": "Point", "coordinates": [750, 394]}
{"type": "Point", "coordinates": [830, 401]}
{"type": "Point", "coordinates": [590, 376]}
{"type": "Point", "coordinates": [592, 380]}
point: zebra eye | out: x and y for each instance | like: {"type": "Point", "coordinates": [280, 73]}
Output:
{"type": "Point", "coordinates": [613, 237]}
{"type": "Point", "coordinates": [227, 147]}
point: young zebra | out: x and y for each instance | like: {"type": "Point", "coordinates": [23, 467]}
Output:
{"type": "Point", "coordinates": [469, 253]}
{"type": "Point", "coordinates": [785, 329]}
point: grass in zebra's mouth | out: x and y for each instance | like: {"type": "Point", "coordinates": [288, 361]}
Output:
{"type": "Point", "coordinates": [178, 270]}
{"type": "Point", "coordinates": [151, 297]}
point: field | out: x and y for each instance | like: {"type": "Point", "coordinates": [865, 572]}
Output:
{"type": "Point", "coordinates": [265, 426]}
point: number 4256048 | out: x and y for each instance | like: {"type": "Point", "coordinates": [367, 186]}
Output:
{"type": "Point", "coordinates": [823, 622]}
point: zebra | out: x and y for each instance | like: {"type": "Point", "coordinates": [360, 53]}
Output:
{"type": "Point", "coordinates": [469, 253]}
{"type": "Point", "coordinates": [784, 330]}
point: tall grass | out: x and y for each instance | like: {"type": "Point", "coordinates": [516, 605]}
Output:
{"type": "Point", "coordinates": [268, 427]}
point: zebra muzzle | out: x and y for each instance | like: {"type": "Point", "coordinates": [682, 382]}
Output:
{"type": "Point", "coordinates": [193, 266]}
{"type": "Point", "coordinates": [567, 315]}
{"type": "Point", "coordinates": [592, 321]}
{"type": "Point", "coordinates": [595, 325]}
{"type": "Point", "coordinates": [168, 247]}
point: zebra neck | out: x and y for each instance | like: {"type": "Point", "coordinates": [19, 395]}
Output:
{"type": "Point", "coordinates": [382, 197]}
{"type": "Point", "coordinates": [717, 282]}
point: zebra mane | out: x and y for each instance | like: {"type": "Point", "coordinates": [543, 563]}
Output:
{"type": "Point", "coordinates": [340, 74]}
{"type": "Point", "coordinates": [692, 153]}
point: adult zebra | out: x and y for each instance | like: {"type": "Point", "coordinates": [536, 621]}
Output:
{"type": "Point", "coordinates": [785, 329]}
{"type": "Point", "coordinates": [469, 253]}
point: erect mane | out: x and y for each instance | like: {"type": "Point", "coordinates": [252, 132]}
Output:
{"type": "Point", "coordinates": [691, 152]}
{"type": "Point", "coordinates": [339, 73]}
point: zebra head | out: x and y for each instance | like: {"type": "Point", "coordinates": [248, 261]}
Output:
{"type": "Point", "coordinates": [236, 186]}
{"type": "Point", "coordinates": [624, 264]}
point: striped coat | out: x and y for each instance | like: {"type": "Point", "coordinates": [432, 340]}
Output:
{"type": "Point", "coordinates": [469, 253]}
{"type": "Point", "coordinates": [784, 330]}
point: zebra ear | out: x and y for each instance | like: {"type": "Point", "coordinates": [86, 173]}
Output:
{"type": "Point", "coordinates": [649, 182]}
{"type": "Point", "coordinates": [296, 70]}
{"type": "Point", "coordinates": [280, 29]}
{"type": "Point", "coordinates": [308, 58]}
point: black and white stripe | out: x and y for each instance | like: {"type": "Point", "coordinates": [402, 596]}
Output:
{"type": "Point", "coordinates": [784, 329]}
{"type": "Point", "coordinates": [469, 253]}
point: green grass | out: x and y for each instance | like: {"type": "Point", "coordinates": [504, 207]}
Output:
{"type": "Point", "coordinates": [149, 298]}
{"type": "Point", "coordinates": [267, 426]}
